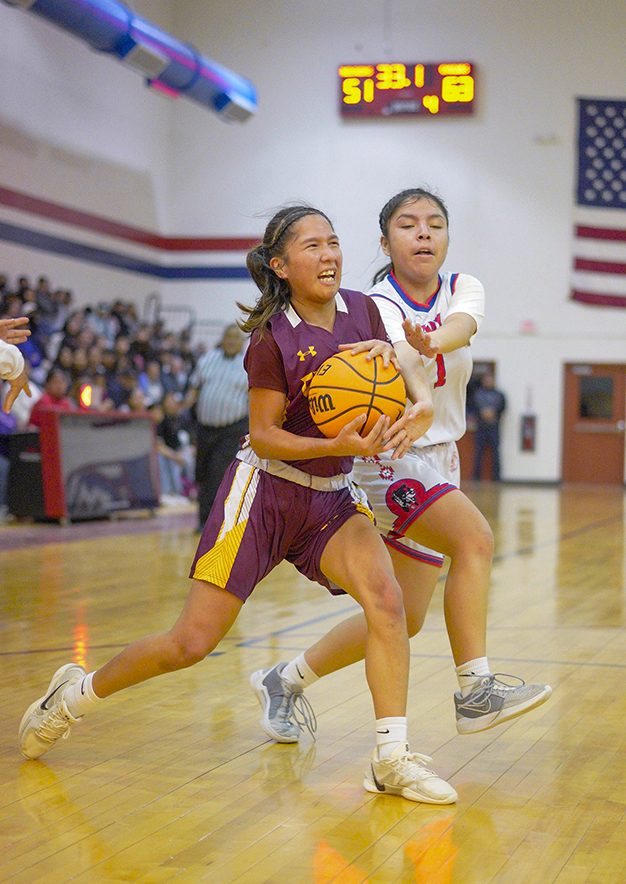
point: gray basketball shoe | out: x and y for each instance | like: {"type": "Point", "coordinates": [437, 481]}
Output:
{"type": "Point", "coordinates": [286, 711]}
{"type": "Point", "coordinates": [492, 702]}
{"type": "Point", "coordinates": [48, 718]}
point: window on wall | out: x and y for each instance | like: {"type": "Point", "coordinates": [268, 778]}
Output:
{"type": "Point", "coordinates": [595, 398]}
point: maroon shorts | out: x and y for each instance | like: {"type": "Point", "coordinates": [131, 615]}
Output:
{"type": "Point", "coordinates": [259, 519]}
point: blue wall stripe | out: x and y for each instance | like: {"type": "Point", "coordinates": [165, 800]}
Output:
{"type": "Point", "coordinates": [32, 239]}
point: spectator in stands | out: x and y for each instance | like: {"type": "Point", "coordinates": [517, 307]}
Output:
{"type": "Point", "coordinates": [151, 382]}
{"type": "Point", "coordinates": [109, 364]}
{"type": "Point", "coordinates": [22, 284]}
{"type": "Point", "coordinates": [65, 358]}
{"type": "Point", "coordinates": [72, 329]}
{"type": "Point", "coordinates": [172, 459]}
{"type": "Point", "coordinates": [142, 349]}
{"type": "Point", "coordinates": [122, 345]}
{"type": "Point", "coordinates": [136, 400]}
{"type": "Point", "coordinates": [103, 323]}
{"type": "Point", "coordinates": [54, 395]}
{"type": "Point", "coordinates": [13, 307]}
{"type": "Point", "coordinates": [80, 363]}
{"type": "Point", "coordinates": [121, 386]}
{"type": "Point", "coordinates": [174, 375]}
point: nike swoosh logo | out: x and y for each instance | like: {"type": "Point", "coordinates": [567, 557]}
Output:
{"type": "Point", "coordinates": [299, 673]}
{"type": "Point", "coordinates": [82, 687]}
{"type": "Point", "coordinates": [45, 705]}
{"type": "Point", "coordinates": [386, 731]}
{"type": "Point", "coordinates": [376, 783]}
{"type": "Point", "coordinates": [480, 705]}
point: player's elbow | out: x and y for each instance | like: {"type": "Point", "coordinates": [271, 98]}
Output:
{"type": "Point", "coordinates": [261, 444]}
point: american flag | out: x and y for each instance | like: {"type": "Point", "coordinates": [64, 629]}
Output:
{"type": "Point", "coordinates": [599, 275]}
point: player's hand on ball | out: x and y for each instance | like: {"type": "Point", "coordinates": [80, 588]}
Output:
{"type": "Point", "coordinates": [420, 340]}
{"type": "Point", "coordinates": [350, 443]}
{"type": "Point", "coordinates": [374, 348]}
{"type": "Point", "coordinates": [415, 421]}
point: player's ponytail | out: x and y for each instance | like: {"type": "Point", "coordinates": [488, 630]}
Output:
{"type": "Point", "coordinates": [391, 207]}
{"type": "Point", "coordinates": [275, 292]}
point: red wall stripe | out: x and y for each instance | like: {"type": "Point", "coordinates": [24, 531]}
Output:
{"type": "Point", "coordinates": [67, 215]}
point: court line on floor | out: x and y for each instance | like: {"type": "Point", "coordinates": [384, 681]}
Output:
{"type": "Point", "coordinates": [448, 657]}
{"type": "Point", "coordinates": [254, 642]}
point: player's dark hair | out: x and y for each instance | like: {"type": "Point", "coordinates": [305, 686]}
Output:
{"type": "Point", "coordinates": [412, 195]}
{"type": "Point", "coordinates": [275, 292]}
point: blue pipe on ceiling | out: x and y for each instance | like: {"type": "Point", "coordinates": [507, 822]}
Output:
{"type": "Point", "coordinates": [167, 63]}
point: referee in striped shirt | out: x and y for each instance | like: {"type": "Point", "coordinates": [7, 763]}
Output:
{"type": "Point", "coordinates": [220, 389]}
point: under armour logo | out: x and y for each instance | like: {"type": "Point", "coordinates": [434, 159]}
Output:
{"type": "Point", "coordinates": [310, 352]}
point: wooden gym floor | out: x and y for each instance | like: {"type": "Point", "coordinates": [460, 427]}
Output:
{"type": "Point", "coordinates": [175, 782]}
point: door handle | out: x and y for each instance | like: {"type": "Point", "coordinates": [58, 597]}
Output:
{"type": "Point", "coordinates": [610, 429]}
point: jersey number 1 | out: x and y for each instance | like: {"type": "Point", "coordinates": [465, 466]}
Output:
{"type": "Point", "coordinates": [441, 371]}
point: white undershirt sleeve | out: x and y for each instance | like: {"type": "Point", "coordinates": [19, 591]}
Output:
{"type": "Point", "coordinates": [11, 362]}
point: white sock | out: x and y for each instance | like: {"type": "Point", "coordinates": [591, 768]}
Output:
{"type": "Point", "coordinates": [299, 673]}
{"type": "Point", "coordinates": [81, 697]}
{"type": "Point", "coordinates": [470, 673]}
{"type": "Point", "coordinates": [390, 732]}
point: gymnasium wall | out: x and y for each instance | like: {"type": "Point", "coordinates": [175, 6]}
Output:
{"type": "Point", "coordinates": [507, 173]}
{"type": "Point", "coordinates": [79, 129]}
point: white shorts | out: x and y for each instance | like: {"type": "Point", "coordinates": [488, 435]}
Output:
{"type": "Point", "coordinates": [399, 491]}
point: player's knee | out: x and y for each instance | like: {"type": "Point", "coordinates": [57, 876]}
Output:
{"type": "Point", "coordinates": [384, 604]}
{"type": "Point", "coordinates": [187, 650]}
{"type": "Point", "coordinates": [483, 541]}
{"type": "Point", "coordinates": [475, 541]}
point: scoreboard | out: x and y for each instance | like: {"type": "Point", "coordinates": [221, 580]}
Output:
{"type": "Point", "coordinates": [395, 88]}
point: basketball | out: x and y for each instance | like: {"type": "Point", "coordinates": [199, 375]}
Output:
{"type": "Point", "coordinates": [347, 386]}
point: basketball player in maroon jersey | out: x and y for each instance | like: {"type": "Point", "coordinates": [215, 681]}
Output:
{"type": "Point", "coordinates": [288, 495]}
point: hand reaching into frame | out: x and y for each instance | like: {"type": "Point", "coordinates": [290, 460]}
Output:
{"type": "Point", "coordinates": [13, 331]}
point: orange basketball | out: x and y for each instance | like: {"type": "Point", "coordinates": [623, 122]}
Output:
{"type": "Point", "coordinates": [346, 386]}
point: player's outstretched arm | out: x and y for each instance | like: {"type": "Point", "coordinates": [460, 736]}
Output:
{"type": "Point", "coordinates": [417, 419]}
{"type": "Point", "coordinates": [456, 332]}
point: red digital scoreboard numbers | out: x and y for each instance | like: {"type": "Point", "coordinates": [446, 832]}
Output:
{"type": "Point", "coordinates": [396, 88]}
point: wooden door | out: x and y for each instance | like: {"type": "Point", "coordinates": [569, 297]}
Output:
{"type": "Point", "coordinates": [593, 424]}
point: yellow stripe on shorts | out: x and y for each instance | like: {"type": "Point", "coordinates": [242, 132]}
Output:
{"type": "Point", "coordinates": [217, 563]}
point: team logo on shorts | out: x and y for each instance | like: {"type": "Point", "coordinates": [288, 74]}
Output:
{"type": "Point", "coordinates": [407, 499]}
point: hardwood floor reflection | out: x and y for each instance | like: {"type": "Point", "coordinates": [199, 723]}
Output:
{"type": "Point", "coordinates": [174, 781]}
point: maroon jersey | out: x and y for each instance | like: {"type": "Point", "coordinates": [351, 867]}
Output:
{"type": "Point", "coordinates": [291, 351]}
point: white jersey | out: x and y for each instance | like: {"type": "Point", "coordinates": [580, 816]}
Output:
{"type": "Point", "coordinates": [449, 373]}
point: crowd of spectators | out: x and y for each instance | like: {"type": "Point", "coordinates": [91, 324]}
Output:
{"type": "Point", "coordinates": [103, 357]}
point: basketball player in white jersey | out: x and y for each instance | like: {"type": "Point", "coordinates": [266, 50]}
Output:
{"type": "Point", "coordinates": [430, 318]}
